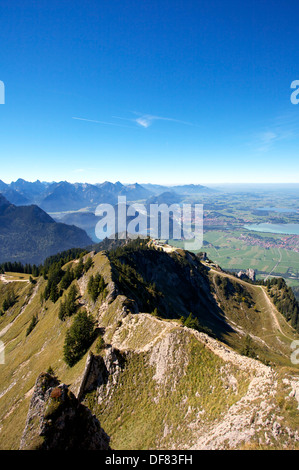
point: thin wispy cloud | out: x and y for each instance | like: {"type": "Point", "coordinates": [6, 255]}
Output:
{"type": "Point", "coordinates": [142, 120]}
{"type": "Point", "coordinates": [101, 122]}
{"type": "Point", "coordinates": [266, 140]}
{"type": "Point", "coordinates": [281, 128]}
{"type": "Point", "coordinates": [146, 120]}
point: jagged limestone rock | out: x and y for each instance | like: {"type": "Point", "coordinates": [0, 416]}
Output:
{"type": "Point", "coordinates": [97, 372]}
{"type": "Point", "coordinates": [57, 421]}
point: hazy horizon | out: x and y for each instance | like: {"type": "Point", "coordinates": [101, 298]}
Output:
{"type": "Point", "coordinates": [215, 183]}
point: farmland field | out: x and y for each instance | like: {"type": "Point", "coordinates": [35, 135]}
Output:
{"type": "Point", "coordinates": [231, 251]}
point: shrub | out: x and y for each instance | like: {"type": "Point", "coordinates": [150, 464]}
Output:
{"type": "Point", "coordinates": [100, 345]}
{"type": "Point", "coordinates": [249, 348]}
{"type": "Point", "coordinates": [193, 322]}
{"type": "Point", "coordinates": [50, 371]}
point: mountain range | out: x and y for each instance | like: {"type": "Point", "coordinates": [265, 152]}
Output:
{"type": "Point", "coordinates": [185, 189]}
{"type": "Point", "coordinates": [29, 235]}
{"type": "Point", "coordinates": [75, 204]}
{"type": "Point", "coordinates": [64, 196]}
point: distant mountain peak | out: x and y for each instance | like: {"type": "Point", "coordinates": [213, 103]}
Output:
{"type": "Point", "coordinates": [3, 185]}
{"type": "Point", "coordinates": [29, 235]}
{"type": "Point", "coordinates": [3, 201]}
{"type": "Point", "coordinates": [65, 196]}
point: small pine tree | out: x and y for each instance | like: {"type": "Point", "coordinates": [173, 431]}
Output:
{"type": "Point", "coordinates": [69, 306]}
{"type": "Point", "coordinates": [67, 279]}
{"type": "Point", "coordinates": [88, 264]}
{"type": "Point", "coordinates": [79, 269]}
{"type": "Point", "coordinates": [34, 271]}
{"type": "Point", "coordinates": [96, 286]}
{"type": "Point", "coordinates": [62, 311]}
{"type": "Point", "coordinates": [73, 294]}
{"type": "Point", "coordinates": [78, 338]}
{"type": "Point", "coordinates": [5, 305]}
{"type": "Point", "coordinates": [54, 293]}
{"type": "Point", "coordinates": [191, 322]}
{"type": "Point", "coordinates": [155, 312]}
{"type": "Point", "coordinates": [9, 300]}
{"type": "Point", "coordinates": [32, 325]}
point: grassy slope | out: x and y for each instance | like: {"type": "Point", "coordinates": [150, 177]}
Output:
{"type": "Point", "coordinates": [133, 417]}
{"type": "Point", "coordinates": [261, 320]}
{"type": "Point", "coordinates": [173, 389]}
{"type": "Point", "coordinates": [138, 414]}
{"type": "Point", "coordinates": [27, 356]}
{"type": "Point", "coordinates": [146, 414]}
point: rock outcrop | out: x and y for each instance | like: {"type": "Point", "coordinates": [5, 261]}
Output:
{"type": "Point", "coordinates": [57, 421]}
{"type": "Point", "coordinates": [248, 274]}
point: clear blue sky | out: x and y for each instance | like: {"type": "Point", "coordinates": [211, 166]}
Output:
{"type": "Point", "coordinates": [163, 91]}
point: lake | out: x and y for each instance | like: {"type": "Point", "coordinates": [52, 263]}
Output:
{"type": "Point", "coordinates": [286, 229]}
